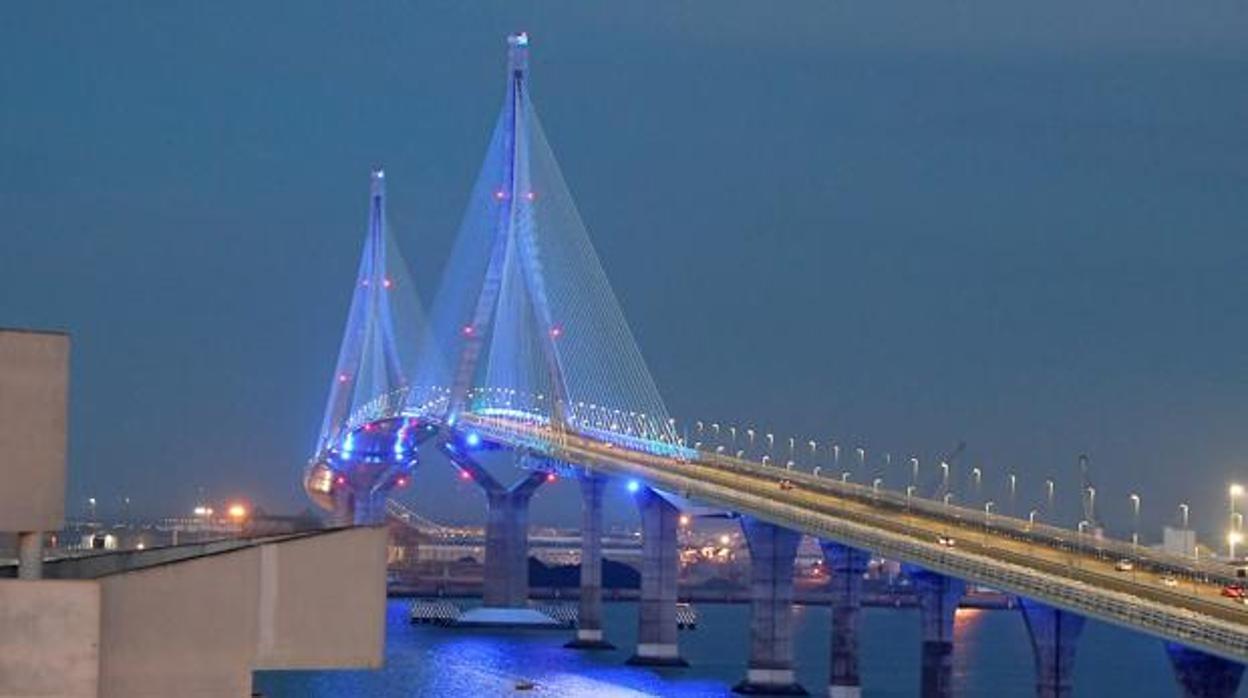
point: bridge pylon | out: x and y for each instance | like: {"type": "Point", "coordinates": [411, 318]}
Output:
{"type": "Point", "coordinates": [369, 437]}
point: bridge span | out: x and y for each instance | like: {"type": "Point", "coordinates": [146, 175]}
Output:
{"type": "Point", "coordinates": [527, 351]}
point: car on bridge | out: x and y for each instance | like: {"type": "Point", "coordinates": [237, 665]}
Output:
{"type": "Point", "coordinates": [947, 541]}
{"type": "Point", "coordinates": [1233, 591]}
{"type": "Point", "coordinates": [1124, 565]}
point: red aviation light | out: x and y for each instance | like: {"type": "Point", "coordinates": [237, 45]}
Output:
{"type": "Point", "coordinates": [556, 332]}
{"type": "Point", "coordinates": [343, 378]}
{"type": "Point", "coordinates": [499, 195]}
{"type": "Point", "coordinates": [550, 477]}
{"type": "Point", "coordinates": [386, 282]}
{"type": "Point", "coordinates": [468, 330]}
{"type": "Point", "coordinates": [465, 475]}
{"type": "Point", "coordinates": [529, 196]}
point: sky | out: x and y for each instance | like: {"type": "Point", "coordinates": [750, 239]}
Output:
{"type": "Point", "coordinates": [899, 225]}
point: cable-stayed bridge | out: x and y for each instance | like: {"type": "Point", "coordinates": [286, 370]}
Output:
{"type": "Point", "coordinates": [526, 352]}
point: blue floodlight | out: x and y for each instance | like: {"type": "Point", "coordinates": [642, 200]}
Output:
{"type": "Point", "coordinates": [633, 485]}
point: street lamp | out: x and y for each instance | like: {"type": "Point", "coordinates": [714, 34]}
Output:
{"type": "Point", "coordinates": [815, 472]}
{"type": "Point", "coordinates": [1235, 491]}
{"type": "Point", "coordinates": [733, 431]}
{"type": "Point", "coordinates": [792, 447]}
{"type": "Point", "coordinates": [845, 476]}
{"type": "Point", "coordinates": [1183, 513]}
{"type": "Point", "coordinates": [875, 485]}
{"type": "Point", "coordinates": [836, 454]}
{"type": "Point", "coordinates": [813, 447]}
{"type": "Point", "coordinates": [700, 425]}
{"type": "Point", "coordinates": [979, 479]}
{"type": "Point", "coordinates": [944, 475]}
{"type": "Point", "coordinates": [1031, 519]}
{"type": "Point", "coordinates": [988, 511]}
{"type": "Point", "coordinates": [1092, 503]}
{"type": "Point", "coordinates": [715, 428]}
{"type": "Point", "coordinates": [749, 433]}
{"type": "Point", "coordinates": [948, 497]}
{"type": "Point", "coordinates": [1233, 539]}
{"type": "Point", "coordinates": [909, 494]}
{"type": "Point", "coordinates": [1013, 491]}
{"type": "Point", "coordinates": [914, 470]}
{"type": "Point", "coordinates": [1135, 531]}
{"type": "Point", "coordinates": [788, 465]}
{"type": "Point", "coordinates": [771, 442]}
{"type": "Point", "coordinates": [766, 460]}
{"type": "Point", "coordinates": [1049, 485]}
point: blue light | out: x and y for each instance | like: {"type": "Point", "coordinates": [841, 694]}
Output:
{"type": "Point", "coordinates": [348, 444]}
{"type": "Point", "coordinates": [633, 485]}
{"type": "Point", "coordinates": [473, 439]}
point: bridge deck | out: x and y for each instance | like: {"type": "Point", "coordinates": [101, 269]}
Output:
{"type": "Point", "coordinates": [1076, 576]}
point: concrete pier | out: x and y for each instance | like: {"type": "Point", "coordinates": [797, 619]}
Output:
{"type": "Point", "coordinates": [1054, 637]}
{"type": "Point", "coordinates": [847, 566]}
{"type": "Point", "coordinates": [589, 631]}
{"type": "Point", "coordinates": [30, 555]}
{"type": "Point", "coordinates": [506, 574]}
{"type": "Point", "coordinates": [938, 601]}
{"type": "Point", "coordinates": [1202, 675]}
{"type": "Point", "coordinates": [772, 551]}
{"type": "Point", "coordinates": [656, 609]}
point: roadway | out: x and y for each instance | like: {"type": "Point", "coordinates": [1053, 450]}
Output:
{"type": "Point", "coordinates": [1062, 568]}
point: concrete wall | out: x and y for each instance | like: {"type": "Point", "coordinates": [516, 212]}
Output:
{"type": "Point", "coordinates": [49, 639]}
{"type": "Point", "coordinates": [34, 383]}
{"type": "Point", "coordinates": [199, 626]}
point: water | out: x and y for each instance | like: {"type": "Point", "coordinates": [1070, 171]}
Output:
{"type": "Point", "coordinates": [992, 659]}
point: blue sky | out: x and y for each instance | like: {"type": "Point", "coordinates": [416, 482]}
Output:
{"type": "Point", "coordinates": [899, 224]}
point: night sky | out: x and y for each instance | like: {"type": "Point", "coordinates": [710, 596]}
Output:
{"type": "Point", "coordinates": [906, 224]}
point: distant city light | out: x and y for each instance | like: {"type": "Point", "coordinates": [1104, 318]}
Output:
{"type": "Point", "coordinates": [499, 195]}
{"type": "Point", "coordinates": [202, 510]}
{"type": "Point", "coordinates": [237, 511]}
{"type": "Point", "coordinates": [530, 195]}
{"type": "Point", "coordinates": [341, 479]}
{"type": "Point", "coordinates": [343, 378]}
{"type": "Point", "coordinates": [725, 539]}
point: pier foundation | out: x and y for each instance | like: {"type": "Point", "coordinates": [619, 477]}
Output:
{"type": "Point", "coordinates": [589, 631]}
{"type": "Point", "coordinates": [1202, 675]}
{"type": "Point", "coordinates": [938, 601]}
{"type": "Point", "coordinates": [772, 551]}
{"type": "Point", "coordinates": [656, 609]}
{"type": "Point", "coordinates": [847, 566]}
{"type": "Point", "coordinates": [1054, 637]}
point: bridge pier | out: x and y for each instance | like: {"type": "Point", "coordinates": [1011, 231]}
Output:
{"type": "Point", "coordinates": [938, 601]}
{"type": "Point", "coordinates": [772, 552]}
{"type": "Point", "coordinates": [1054, 636]}
{"type": "Point", "coordinates": [656, 609]}
{"type": "Point", "coordinates": [506, 583]}
{"type": "Point", "coordinates": [847, 566]}
{"type": "Point", "coordinates": [589, 635]}
{"type": "Point", "coordinates": [1202, 675]}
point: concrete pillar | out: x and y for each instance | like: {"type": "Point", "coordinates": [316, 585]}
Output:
{"type": "Point", "coordinates": [656, 610]}
{"type": "Point", "coordinates": [30, 555]}
{"type": "Point", "coordinates": [589, 617]}
{"type": "Point", "coordinates": [772, 551]}
{"type": "Point", "coordinates": [847, 566]}
{"type": "Point", "coordinates": [1054, 635]}
{"type": "Point", "coordinates": [506, 582]}
{"type": "Point", "coordinates": [1202, 675]}
{"type": "Point", "coordinates": [938, 601]}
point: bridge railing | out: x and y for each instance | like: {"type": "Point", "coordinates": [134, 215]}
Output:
{"type": "Point", "coordinates": [962, 517]}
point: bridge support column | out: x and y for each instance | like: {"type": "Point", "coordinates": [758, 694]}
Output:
{"type": "Point", "coordinates": [1202, 675]}
{"type": "Point", "coordinates": [1054, 636]}
{"type": "Point", "coordinates": [847, 566]}
{"type": "Point", "coordinates": [589, 634]}
{"type": "Point", "coordinates": [938, 601]}
{"type": "Point", "coordinates": [506, 583]}
{"type": "Point", "coordinates": [772, 551]}
{"type": "Point", "coordinates": [656, 610]}
{"type": "Point", "coordinates": [30, 555]}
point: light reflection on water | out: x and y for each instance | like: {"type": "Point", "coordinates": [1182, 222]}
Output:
{"type": "Point", "coordinates": [992, 659]}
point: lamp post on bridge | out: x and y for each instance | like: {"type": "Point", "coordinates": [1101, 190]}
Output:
{"type": "Point", "coordinates": [862, 459]}
{"type": "Point", "coordinates": [1135, 524]}
{"type": "Point", "coordinates": [1049, 507]}
{"type": "Point", "coordinates": [749, 434]}
{"type": "Point", "coordinates": [914, 471]}
{"type": "Point", "coordinates": [944, 476]}
{"type": "Point", "coordinates": [813, 448]}
{"type": "Point", "coordinates": [1013, 492]}
{"type": "Point", "coordinates": [1031, 520]}
{"type": "Point", "coordinates": [909, 494]}
{"type": "Point", "coordinates": [978, 476]}
{"type": "Point", "coordinates": [771, 443]}
{"type": "Point", "coordinates": [733, 432]}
